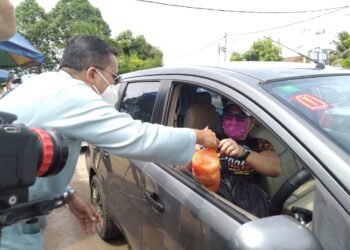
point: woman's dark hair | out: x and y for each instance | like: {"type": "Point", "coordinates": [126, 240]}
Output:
{"type": "Point", "coordinates": [84, 51]}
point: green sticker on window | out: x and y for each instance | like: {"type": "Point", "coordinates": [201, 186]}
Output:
{"type": "Point", "coordinates": [289, 89]}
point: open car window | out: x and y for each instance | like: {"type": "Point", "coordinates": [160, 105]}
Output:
{"type": "Point", "coordinates": [196, 107]}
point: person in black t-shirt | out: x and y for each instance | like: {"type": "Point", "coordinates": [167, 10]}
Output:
{"type": "Point", "coordinates": [243, 160]}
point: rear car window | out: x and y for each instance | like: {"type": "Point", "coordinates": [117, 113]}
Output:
{"type": "Point", "coordinates": [139, 99]}
{"type": "Point", "coordinates": [323, 101]}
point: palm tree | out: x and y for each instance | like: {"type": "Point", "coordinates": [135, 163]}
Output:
{"type": "Point", "coordinates": [341, 54]}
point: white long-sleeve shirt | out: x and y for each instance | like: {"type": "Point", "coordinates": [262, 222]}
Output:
{"type": "Point", "coordinates": [56, 100]}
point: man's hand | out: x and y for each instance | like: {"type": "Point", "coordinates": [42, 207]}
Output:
{"type": "Point", "coordinates": [206, 138]}
{"type": "Point", "coordinates": [231, 148]}
{"type": "Point", "coordinates": [85, 212]}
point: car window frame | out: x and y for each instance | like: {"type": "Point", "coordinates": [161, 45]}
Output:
{"type": "Point", "coordinates": [124, 87]}
{"type": "Point", "coordinates": [238, 90]}
{"type": "Point", "coordinates": [282, 133]}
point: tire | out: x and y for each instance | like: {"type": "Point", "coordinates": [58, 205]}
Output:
{"type": "Point", "coordinates": [109, 230]}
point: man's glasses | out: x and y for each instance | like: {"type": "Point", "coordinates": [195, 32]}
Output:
{"type": "Point", "coordinates": [238, 117]}
{"type": "Point", "coordinates": [17, 81]}
{"type": "Point", "coordinates": [115, 77]}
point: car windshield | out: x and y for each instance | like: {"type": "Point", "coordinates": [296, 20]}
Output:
{"type": "Point", "coordinates": [323, 101]}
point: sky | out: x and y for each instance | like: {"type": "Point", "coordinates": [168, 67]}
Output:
{"type": "Point", "coordinates": [189, 36]}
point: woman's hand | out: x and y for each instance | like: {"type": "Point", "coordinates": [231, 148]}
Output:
{"type": "Point", "coordinates": [230, 147]}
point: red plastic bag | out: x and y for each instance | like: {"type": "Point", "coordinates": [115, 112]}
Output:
{"type": "Point", "coordinates": [206, 168]}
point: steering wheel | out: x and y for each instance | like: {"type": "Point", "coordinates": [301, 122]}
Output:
{"type": "Point", "coordinates": [290, 185]}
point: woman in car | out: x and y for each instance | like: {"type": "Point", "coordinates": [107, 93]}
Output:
{"type": "Point", "coordinates": [244, 159]}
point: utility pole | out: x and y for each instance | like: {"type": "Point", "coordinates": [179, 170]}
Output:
{"type": "Point", "coordinates": [225, 46]}
{"type": "Point", "coordinates": [219, 52]}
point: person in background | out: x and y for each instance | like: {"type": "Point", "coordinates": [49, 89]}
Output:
{"type": "Point", "coordinates": [7, 20]}
{"type": "Point", "coordinates": [78, 102]}
{"type": "Point", "coordinates": [244, 159]}
{"type": "Point", "coordinates": [12, 82]}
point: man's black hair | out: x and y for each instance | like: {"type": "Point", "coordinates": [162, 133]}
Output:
{"type": "Point", "coordinates": [84, 51]}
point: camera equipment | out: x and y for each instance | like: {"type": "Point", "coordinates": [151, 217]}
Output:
{"type": "Point", "coordinates": [26, 153]}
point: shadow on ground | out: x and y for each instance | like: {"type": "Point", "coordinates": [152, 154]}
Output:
{"type": "Point", "coordinates": [64, 232]}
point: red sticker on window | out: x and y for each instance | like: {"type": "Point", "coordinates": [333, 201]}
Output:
{"type": "Point", "coordinates": [311, 102]}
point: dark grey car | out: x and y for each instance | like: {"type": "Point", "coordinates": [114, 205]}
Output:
{"type": "Point", "coordinates": [158, 206]}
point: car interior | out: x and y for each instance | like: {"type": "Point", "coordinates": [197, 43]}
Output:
{"type": "Point", "coordinates": [292, 192]}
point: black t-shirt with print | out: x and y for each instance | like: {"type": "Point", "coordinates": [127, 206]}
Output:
{"type": "Point", "coordinates": [235, 166]}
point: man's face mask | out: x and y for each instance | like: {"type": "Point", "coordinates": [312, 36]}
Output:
{"type": "Point", "coordinates": [14, 85]}
{"type": "Point", "coordinates": [110, 95]}
{"type": "Point", "coordinates": [236, 126]}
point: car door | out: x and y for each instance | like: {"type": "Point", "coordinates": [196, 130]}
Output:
{"type": "Point", "coordinates": [123, 179]}
{"type": "Point", "coordinates": [179, 214]}
{"type": "Point", "coordinates": [183, 214]}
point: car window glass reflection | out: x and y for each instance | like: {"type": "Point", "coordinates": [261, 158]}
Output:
{"type": "Point", "coordinates": [139, 99]}
{"type": "Point", "coordinates": [324, 102]}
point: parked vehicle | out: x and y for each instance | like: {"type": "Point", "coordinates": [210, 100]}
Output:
{"type": "Point", "coordinates": [159, 206]}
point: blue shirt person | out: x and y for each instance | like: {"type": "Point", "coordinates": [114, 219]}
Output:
{"type": "Point", "coordinates": [76, 102]}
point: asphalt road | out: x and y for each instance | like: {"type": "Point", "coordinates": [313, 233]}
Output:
{"type": "Point", "coordinates": [63, 231]}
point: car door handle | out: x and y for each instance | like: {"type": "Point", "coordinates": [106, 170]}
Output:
{"type": "Point", "coordinates": [153, 198]}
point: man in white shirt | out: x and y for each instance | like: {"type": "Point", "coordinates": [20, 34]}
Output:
{"type": "Point", "coordinates": [70, 102]}
{"type": "Point", "coordinates": [12, 82]}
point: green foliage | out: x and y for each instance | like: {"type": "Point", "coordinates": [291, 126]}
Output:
{"type": "Point", "coordinates": [345, 63]}
{"type": "Point", "coordinates": [29, 14]}
{"type": "Point", "coordinates": [341, 54]}
{"type": "Point", "coordinates": [49, 32]}
{"type": "Point", "coordinates": [32, 23]}
{"type": "Point", "coordinates": [264, 50]}
{"type": "Point", "coordinates": [72, 17]}
{"type": "Point", "coordinates": [261, 50]}
{"type": "Point", "coordinates": [136, 53]}
{"type": "Point", "coordinates": [235, 56]}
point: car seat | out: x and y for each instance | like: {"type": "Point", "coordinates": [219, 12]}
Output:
{"type": "Point", "coordinates": [201, 113]}
{"type": "Point", "coordinates": [288, 162]}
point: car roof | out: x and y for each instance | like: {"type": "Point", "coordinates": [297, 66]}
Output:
{"type": "Point", "coordinates": [262, 71]}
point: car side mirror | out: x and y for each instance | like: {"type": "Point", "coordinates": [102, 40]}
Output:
{"type": "Point", "coordinates": [275, 232]}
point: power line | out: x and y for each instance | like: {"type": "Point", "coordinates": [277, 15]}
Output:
{"type": "Point", "coordinates": [195, 51]}
{"type": "Point", "coordinates": [242, 11]}
{"type": "Point", "coordinates": [255, 32]}
{"type": "Point", "coordinates": [287, 25]}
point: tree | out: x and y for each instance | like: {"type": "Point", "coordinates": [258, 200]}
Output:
{"type": "Point", "coordinates": [137, 53]}
{"type": "Point", "coordinates": [72, 17]}
{"type": "Point", "coordinates": [49, 33]}
{"type": "Point", "coordinates": [235, 56]}
{"type": "Point", "coordinates": [341, 54]}
{"type": "Point", "coordinates": [32, 23]}
{"type": "Point", "coordinates": [261, 50]}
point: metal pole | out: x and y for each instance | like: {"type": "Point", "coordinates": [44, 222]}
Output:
{"type": "Point", "coordinates": [225, 45]}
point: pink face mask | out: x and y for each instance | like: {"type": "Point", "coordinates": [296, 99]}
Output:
{"type": "Point", "coordinates": [236, 129]}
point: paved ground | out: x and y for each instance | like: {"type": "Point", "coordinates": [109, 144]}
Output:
{"type": "Point", "coordinates": [63, 230]}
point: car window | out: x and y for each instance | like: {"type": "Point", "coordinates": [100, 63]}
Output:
{"type": "Point", "coordinates": [139, 99]}
{"type": "Point", "coordinates": [323, 101]}
{"type": "Point", "coordinates": [198, 107]}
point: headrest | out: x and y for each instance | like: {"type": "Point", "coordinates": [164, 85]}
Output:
{"type": "Point", "coordinates": [202, 98]}
{"type": "Point", "coordinates": [146, 102]}
{"type": "Point", "coordinates": [200, 116]}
